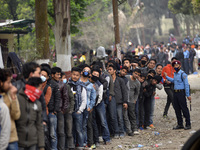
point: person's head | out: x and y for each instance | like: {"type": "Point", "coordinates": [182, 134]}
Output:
{"type": "Point", "coordinates": [142, 77]}
{"type": "Point", "coordinates": [45, 73]}
{"type": "Point", "coordinates": [46, 65]}
{"type": "Point", "coordinates": [112, 70]}
{"type": "Point", "coordinates": [151, 74]}
{"type": "Point", "coordinates": [134, 64]}
{"type": "Point", "coordinates": [100, 65]}
{"type": "Point", "coordinates": [136, 73]}
{"type": "Point", "coordinates": [35, 82]}
{"type": "Point", "coordinates": [161, 49]}
{"type": "Point", "coordinates": [144, 60]}
{"type": "Point", "coordinates": [31, 69]}
{"type": "Point", "coordinates": [127, 63]}
{"type": "Point", "coordinates": [123, 71]}
{"type": "Point", "coordinates": [56, 73]}
{"type": "Point", "coordinates": [173, 59]}
{"type": "Point", "coordinates": [156, 79]}
{"type": "Point", "coordinates": [95, 73]}
{"type": "Point", "coordinates": [75, 73]}
{"type": "Point", "coordinates": [159, 68]}
{"type": "Point", "coordinates": [151, 64]}
{"type": "Point", "coordinates": [63, 77]}
{"type": "Point", "coordinates": [85, 71]}
{"type": "Point", "coordinates": [177, 65]}
{"type": "Point", "coordinates": [5, 80]}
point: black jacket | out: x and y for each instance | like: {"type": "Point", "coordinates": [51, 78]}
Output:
{"type": "Point", "coordinates": [149, 89]}
{"type": "Point", "coordinates": [20, 84]}
{"type": "Point", "coordinates": [54, 103]}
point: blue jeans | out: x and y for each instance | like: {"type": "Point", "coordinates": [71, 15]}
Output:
{"type": "Point", "coordinates": [53, 130]}
{"type": "Point", "coordinates": [101, 112]}
{"type": "Point", "coordinates": [120, 118]}
{"type": "Point", "coordinates": [85, 119]}
{"type": "Point", "coordinates": [186, 65]}
{"type": "Point", "coordinates": [152, 110]}
{"type": "Point", "coordinates": [112, 117]}
{"type": "Point", "coordinates": [78, 128]}
{"type": "Point", "coordinates": [12, 146]}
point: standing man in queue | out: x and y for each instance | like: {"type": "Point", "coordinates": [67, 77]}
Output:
{"type": "Point", "coordinates": [181, 91]}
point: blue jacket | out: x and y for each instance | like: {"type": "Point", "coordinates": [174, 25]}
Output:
{"type": "Point", "coordinates": [180, 83]}
{"type": "Point", "coordinates": [91, 94]}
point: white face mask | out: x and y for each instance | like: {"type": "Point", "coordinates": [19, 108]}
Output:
{"type": "Point", "coordinates": [64, 81]}
{"type": "Point", "coordinates": [43, 78]}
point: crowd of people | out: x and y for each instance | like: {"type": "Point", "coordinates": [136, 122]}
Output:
{"type": "Point", "coordinates": [108, 98]}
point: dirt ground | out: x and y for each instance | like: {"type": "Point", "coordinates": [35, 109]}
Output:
{"type": "Point", "coordinates": [167, 139]}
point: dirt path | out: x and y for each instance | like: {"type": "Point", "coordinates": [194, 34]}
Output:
{"type": "Point", "coordinates": [167, 139]}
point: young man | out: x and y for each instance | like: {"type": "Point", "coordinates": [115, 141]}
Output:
{"type": "Point", "coordinates": [181, 90]}
{"type": "Point", "coordinates": [5, 117]}
{"type": "Point", "coordinates": [58, 114]}
{"type": "Point", "coordinates": [99, 108]}
{"type": "Point", "coordinates": [91, 97]}
{"type": "Point", "coordinates": [127, 63]}
{"type": "Point", "coordinates": [67, 107]}
{"type": "Point", "coordinates": [29, 126]}
{"type": "Point", "coordinates": [120, 97]}
{"type": "Point", "coordinates": [80, 96]}
{"type": "Point", "coordinates": [133, 93]}
{"type": "Point", "coordinates": [168, 86]}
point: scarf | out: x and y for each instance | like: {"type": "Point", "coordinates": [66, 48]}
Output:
{"type": "Point", "coordinates": [78, 100]}
{"type": "Point", "coordinates": [32, 92]}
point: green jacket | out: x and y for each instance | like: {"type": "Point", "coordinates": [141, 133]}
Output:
{"type": "Point", "coordinates": [29, 126]}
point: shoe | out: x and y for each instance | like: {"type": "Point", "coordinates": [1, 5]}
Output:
{"type": "Point", "coordinates": [121, 136]}
{"type": "Point", "coordinates": [107, 143]}
{"type": "Point", "coordinates": [93, 146]}
{"type": "Point", "coordinates": [130, 134]}
{"type": "Point", "coordinates": [141, 128]}
{"type": "Point", "coordinates": [136, 133]}
{"type": "Point", "coordinates": [152, 126]}
{"type": "Point", "coordinates": [116, 136]}
{"type": "Point", "coordinates": [97, 144]}
{"type": "Point", "coordinates": [178, 127]}
{"type": "Point", "coordinates": [187, 127]}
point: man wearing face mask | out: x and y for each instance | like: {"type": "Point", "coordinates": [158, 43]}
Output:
{"type": "Point", "coordinates": [181, 91]}
{"type": "Point", "coordinates": [143, 61]}
{"type": "Point", "coordinates": [91, 97]}
{"type": "Point", "coordinates": [29, 125]}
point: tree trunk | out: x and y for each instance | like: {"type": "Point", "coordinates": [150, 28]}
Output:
{"type": "Point", "coordinates": [62, 34]}
{"type": "Point", "coordinates": [176, 25]}
{"type": "Point", "coordinates": [41, 26]}
{"type": "Point", "coordinates": [187, 23]}
{"type": "Point", "coordinates": [159, 27]}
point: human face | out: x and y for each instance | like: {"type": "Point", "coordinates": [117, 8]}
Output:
{"type": "Point", "coordinates": [95, 73]}
{"type": "Point", "coordinates": [177, 66]}
{"type": "Point", "coordinates": [5, 86]}
{"type": "Point", "coordinates": [56, 76]}
{"type": "Point", "coordinates": [123, 72]}
{"type": "Point", "coordinates": [111, 71]}
{"type": "Point", "coordinates": [37, 73]}
{"type": "Point", "coordinates": [151, 64]}
{"type": "Point", "coordinates": [144, 58]}
{"type": "Point", "coordinates": [154, 82]}
{"type": "Point", "coordinates": [86, 69]}
{"type": "Point", "coordinates": [134, 65]}
{"type": "Point", "coordinates": [127, 64]}
{"type": "Point", "coordinates": [63, 77]}
{"type": "Point", "coordinates": [44, 73]}
{"type": "Point", "coordinates": [136, 75]}
{"type": "Point", "coordinates": [75, 76]}
{"type": "Point", "coordinates": [159, 69]}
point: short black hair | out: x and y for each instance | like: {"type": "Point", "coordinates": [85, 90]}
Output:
{"type": "Point", "coordinates": [137, 70]}
{"type": "Point", "coordinates": [83, 66]}
{"type": "Point", "coordinates": [62, 74]}
{"type": "Point", "coordinates": [34, 81]}
{"type": "Point", "coordinates": [152, 60]}
{"type": "Point", "coordinates": [143, 75]}
{"type": "Point", "coordinates": [124, 67]}
{"type": "Point", "coordinates": [96, 68]}
{"type": "Point", "coordinates": [4, 74]}
{"type": "Point", "coordinates": [46, 65]}
{"type": "Point", "coordinates": [159, 65]}
{"type": "Point", "coordinates": [145, 56]}
{"type": "Point", "coordinates": [55, 70]}
{"type": "Point", "coordinates": [173, 58]}
{"type": "Point", "coordinates": [100, 64]}
{"type": "Point", "coordinates": [47, 70]}
{"type": "Point", "coordinates": [76, 69]}
{"type": "Point", "coordinates": [28, 68]}
{"type": "Point", "coordinates": [152, 71]}
{"type": "Point", "coordinates": [113, 66]}
{"type": "Point", "coordinates": [126, 59]}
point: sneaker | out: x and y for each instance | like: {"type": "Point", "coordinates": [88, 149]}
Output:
{"type": "Point", "coordinates": [136, 133]}
{"type": "Point", "coordinates": [130, 134]}
{"type": "Point", "coordinates": [141, 128]}
{"type": "Point", "coordinates": [121, 136]}
{"type": "Point", "coordinates": [178, 127]}
{"type": "Point", "coordinates": [187, 127]}
{"type": "Point", "coordinates": [116, 136]}
{"type": "Point", "coordinates": [152, 126]}
{"type": "Point", "coordinates": [93, 146]}
{"type": "Point", "coordinates": [97, 144]}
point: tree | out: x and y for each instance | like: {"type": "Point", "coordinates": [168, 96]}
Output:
{"type": "Point", "coordinates": [41, 25]}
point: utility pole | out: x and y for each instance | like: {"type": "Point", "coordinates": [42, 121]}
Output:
{"type": "Point", "coordinates": [116, 28]}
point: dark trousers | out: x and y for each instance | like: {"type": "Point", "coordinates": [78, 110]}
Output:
{"type": "Point", "coordinates": [141, 111]}
{"type": "Point", "coordinates": [170, 96]}
{"type": "Point", "coordinates": [147, 110]}
{"type": "Point", "coordinates": [60, 131]}
{"type": "Point", "coordinates": [90, 140]}
{"type": "Point", "coordinates": [191, 65]}
{"type": "Point", "coordinates": [132, 117]}
{"type": "Point", "coordinates": [186, 65]}
{"type": "Point", "coordinates": [180, 106]}
{"type": "Point", "coordinates": [69, 140]}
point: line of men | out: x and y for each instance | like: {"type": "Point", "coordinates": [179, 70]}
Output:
{"type": "Point", "coordinates": [47, 111]}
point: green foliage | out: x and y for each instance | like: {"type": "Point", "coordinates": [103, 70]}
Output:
{"type": "Point", "coordinates": [196, 6]}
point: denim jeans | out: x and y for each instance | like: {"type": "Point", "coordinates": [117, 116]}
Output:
{"type": "Point", "coordinates": [152, 110]}
{"type": "Point", "coordinates": [60, 131]}
{"type": "Point", "coordinates": [53, 130]}
{"type": "Point", "coordinates": [101, 112]}
{"type": "Point", "coordinates": [78, 128]}
{"type": "Point", "coordinates": [90, 139]}
{"type": "Point", "coordinates": [28, 148]}
{"type": "Point", "coordinates": [69, 139]}
{"type": "Point", "coordinates": [191, 65]}
{"type": "Point", "coordinates": [141, 111]}
{"type": "Point", "coordinates": [112, 117]}
{"type": "Point", "coordinates": [120, 118]}
{"type": "Point", "coordinates": [186, 65]}
{"type": "Point", "coordinates": [132, 117]}
{"type": "Point", "coordinates": [126, 121]}
{"type": "Point", "coordinates": [12, 146]}
{"type": "Point", "coordinates": [85, 119]}
{"type": "Point", "coordinates": [147, 110]}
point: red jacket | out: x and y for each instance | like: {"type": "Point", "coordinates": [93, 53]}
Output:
{"type": "Point", "coordinates": [169, 70]}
